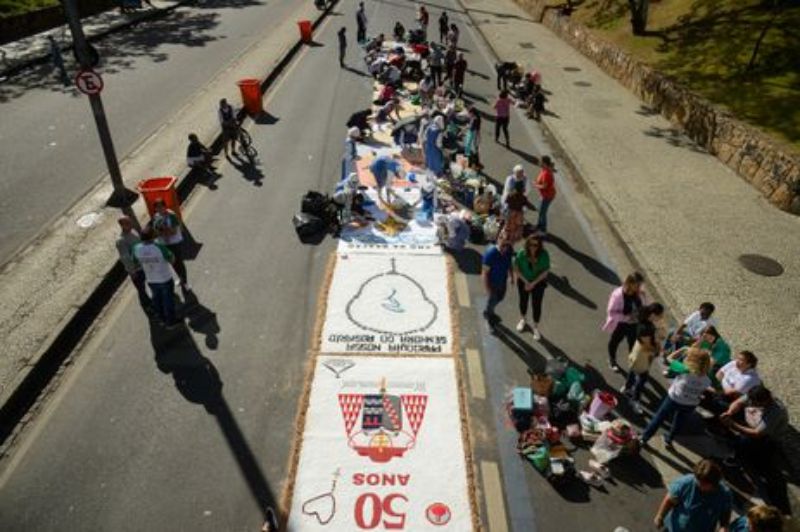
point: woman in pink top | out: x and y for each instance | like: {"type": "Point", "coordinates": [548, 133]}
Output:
{"type": "Point", "coordinates": [502, 108]}
{"type": "Point", "coordinates": [623, 308]}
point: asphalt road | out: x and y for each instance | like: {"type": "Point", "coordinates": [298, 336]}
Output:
{"type": "Point", "coordinates": [192, 430]}
{"type": "Point", "coordinates": [48, 142]}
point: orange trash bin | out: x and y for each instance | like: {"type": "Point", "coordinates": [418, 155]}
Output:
{"type": "Point", "coordinates": [156, 188]}
{"type": "Point", "coordinates": [251, 95]}
{"type": "Point", "coordinates": [306, 31]}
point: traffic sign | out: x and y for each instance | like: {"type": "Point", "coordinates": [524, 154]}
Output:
{"type": "Point", "coordinates": [89, 82]}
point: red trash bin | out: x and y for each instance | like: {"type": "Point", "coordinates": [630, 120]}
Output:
{"type": "Point", "coordinates": [156, 188]}
{"type": "Point", "coordinates": [251, 95]}
{"type": "Point", "coordinates": [306, 31]}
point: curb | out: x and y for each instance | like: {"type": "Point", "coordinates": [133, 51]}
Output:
{"type": "Point", "coordinates": [148, 15]}
{"type": "Point", "coordinates": [24, 392]}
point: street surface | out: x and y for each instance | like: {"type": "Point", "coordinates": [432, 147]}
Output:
{"type": "Point", "coordinates": [48, 142]}
{"type": "Point", "coordinates": [193, 429]}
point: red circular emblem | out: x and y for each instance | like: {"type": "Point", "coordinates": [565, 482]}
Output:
{"type": "Point", "coordinates": [438, 514]}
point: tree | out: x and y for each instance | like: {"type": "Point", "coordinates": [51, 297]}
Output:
{"type": "Point", "coordinates": [776, 8]}
{"type": "Point", "coordinates": [639, 9]}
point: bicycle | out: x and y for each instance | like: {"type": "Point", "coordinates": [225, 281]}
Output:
{"type": "Point", "coordinates": [244, 146]}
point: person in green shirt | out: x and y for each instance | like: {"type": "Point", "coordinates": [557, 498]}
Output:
{"type": "Point", "coordinates": [711, 341]}
{"type": "Point", "coordinates": [531, 264]}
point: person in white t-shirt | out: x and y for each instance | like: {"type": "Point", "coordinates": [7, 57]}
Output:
{"type": "Point", "coordinates": [736, 378]}
{"type": "Point", "coordinates": [683, 396]}
{"type": "Point", "coordinates": [156, 262]}
{"type": "Point", "coordinates": [692, 328]}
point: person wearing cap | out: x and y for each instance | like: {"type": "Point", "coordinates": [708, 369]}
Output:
{"type": "Point", "coordinates": [167, 227]}
{"type": "Point", "coordinates": [127, 239]}
{"type": "Point", "coordinates": [350, 152]}
{"type": "Point", "coordinates": [545, 183]}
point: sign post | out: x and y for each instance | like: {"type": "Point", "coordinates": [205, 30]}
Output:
{"type": "Point", "coordinates": [90, 83]}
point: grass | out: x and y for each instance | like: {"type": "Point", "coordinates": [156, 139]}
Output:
{"type": "Point", "coordinates": [15, 7]}
{"type": "Point", "coordinates": [706, 45]}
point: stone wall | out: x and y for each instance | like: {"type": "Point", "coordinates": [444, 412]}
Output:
{"type": "Point", "coordinates": [772, 168]}
{"type": "Point", "coordinates": [20, 26]}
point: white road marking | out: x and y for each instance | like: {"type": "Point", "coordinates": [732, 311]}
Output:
{"type": "Point", "coordinates": [493, 493]}
{"type": "Point", "coordinates": [475, 372]}
{"type": "Point", "coordinates": [462, 290]}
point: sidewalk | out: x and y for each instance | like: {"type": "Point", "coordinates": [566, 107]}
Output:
{"type": "Point", "coordinates": [684, 216]}
{"type": "Point", "coordinates": [18, 54]}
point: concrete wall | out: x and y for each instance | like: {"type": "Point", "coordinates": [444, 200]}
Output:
{"type": "Point", "coordinates": [772, 168]}
{"type": "Point", "coordinates": [19, 26]}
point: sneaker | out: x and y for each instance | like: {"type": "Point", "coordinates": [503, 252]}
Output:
{"type": "Point", "coordinates": [667, 442]}
{"type": "Point", "coordinates": [186, 287]}
{"type": "Point", "coordinates": [615, 368]}
{"type": "Point", "coordinates": [521, 325]}
{"type": "Point", "coordinates": [536, 334]}
{"type": "Point", "coordinates": [624, 389]}
{"type": "Point", "coordinates": [636, 407]}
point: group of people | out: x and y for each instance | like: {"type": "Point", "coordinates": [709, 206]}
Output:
{"type": "Point", "coordinates": [150, 257]}
{"type": "Point", "coordinates": [527, 268]}
{"type": "Point", "coordinates": [703, 373]}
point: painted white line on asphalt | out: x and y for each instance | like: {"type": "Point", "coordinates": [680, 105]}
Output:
{"type": "Point", "coordinates": [493, 493]}
{"type": "Point", "coordinates": [475, 372]}
{"type": "Point", "coordinates": [462, 289]}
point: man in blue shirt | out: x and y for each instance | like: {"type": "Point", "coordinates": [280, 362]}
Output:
{"type": "Point", "coordinates": [496, 269]}
{"type": "Point", "coordinates": [697, 502]}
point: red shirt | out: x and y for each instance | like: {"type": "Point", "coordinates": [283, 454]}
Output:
{"type": "Point", "coordinates": [545, 178]}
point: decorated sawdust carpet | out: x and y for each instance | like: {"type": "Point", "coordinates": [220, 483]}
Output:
{"type": "Point", "coordinates": [383, 448]}
{"type": "Point", "coordinates": [383, 304]}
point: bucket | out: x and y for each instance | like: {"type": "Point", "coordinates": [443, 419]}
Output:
{"type": "Point", "coordinates": [602, 403]}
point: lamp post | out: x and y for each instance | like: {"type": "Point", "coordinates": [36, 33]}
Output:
{"type": "Point", "coordinates": [121, 197]}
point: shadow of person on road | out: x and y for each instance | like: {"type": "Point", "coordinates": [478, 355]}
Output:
{"type": "Point", "coordinates": [201, 319]}
{"type": "Point", "coordinates": [249, 169]}
{"type": "Point", "coordinates": [356, 71]}
{"type": "Point", "coordinates": [592, 265]}
{"type": "Point", "coordinates": [190, 246]}
{"type": "Point", "coordinates": [525, 351]}
{"type": "Point", "coordinates": [562, 284]}
{"type": "Point", "coordinates": [198, 381]}
{"type": "Point", "coordinates": [468, 260]}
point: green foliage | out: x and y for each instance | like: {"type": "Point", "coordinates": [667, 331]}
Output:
{"type": "Point", "coordinates": [708, 44]}
{"type": "Point", "coordinates": [16, 7]}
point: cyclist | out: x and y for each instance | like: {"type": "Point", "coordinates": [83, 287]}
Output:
{"type": "Point", "coordinates": [230, 127]}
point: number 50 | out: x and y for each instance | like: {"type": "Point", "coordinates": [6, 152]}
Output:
{"type": "Point", "coordinates": [377, 508]}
